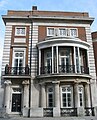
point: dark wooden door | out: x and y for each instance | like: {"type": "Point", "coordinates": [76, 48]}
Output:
{"type": "Point", "coordinates": [16, 102]}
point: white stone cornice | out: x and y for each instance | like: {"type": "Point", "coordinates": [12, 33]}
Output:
{"type": "Point", "coordinates": [55, 82]}
{"type": "Point", "coordinates": [63, 41]}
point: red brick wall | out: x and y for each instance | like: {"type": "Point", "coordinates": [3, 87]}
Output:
{"type": "Point", "coordinates": [43, 33]}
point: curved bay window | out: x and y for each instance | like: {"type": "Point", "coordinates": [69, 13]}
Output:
{"type": "Point", "coordinates": [63, 59]}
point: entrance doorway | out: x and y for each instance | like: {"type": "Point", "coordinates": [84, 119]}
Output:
{"type": "Point", "coordinates": [16, 102]}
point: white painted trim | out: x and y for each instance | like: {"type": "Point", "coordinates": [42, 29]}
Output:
{"type": "Point", "coordinates": [71, 95]}
{"type": "Point", "coordinates": [48, 94]}
{"type": "Point", "coordinates": [62, 41]}
{"type": "Point", "coordinates": [52, 59]}
{"type": "Point", "coordinates": [20, 33]}
{"type": "Point", "coordinates": [18, 50]}
{"type": "Point", "coordinates": [19, 40]}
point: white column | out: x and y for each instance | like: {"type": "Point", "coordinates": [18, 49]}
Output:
{"type": "Point", "coordinates": [79, 59]}
{"type": "Point", "coordinates": [52, 59]}
{"type": "Point", "coordinates": [26, 94]}
{"type": "Point", "coordinates": [57, 59]}
{"type": "Point", "coordinates": [7, 95]}
{"type": "Point", "coordinates": [76, 95]}
{"type": "Point", "coordinates": [57, 97]}
{"type": "Point", "coordinates": [43, 96]}
{"type": "Point", "coordinates": [74, 57]}
{"type": "Point", "coordinates": [56, 108]}
{"type": "Point", "coordinates": [39, 59]}
{"type": "Point", "coordinates": [87, 95]}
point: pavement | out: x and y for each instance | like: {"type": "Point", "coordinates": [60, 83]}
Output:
{"type": "Point", "coordinates": [50, 118]}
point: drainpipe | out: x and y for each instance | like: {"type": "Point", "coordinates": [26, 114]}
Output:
{"type": "Point", "coordinates": [30, 67]}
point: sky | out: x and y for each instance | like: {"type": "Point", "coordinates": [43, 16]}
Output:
{"type": "Point", "coordinates": [89, 6]}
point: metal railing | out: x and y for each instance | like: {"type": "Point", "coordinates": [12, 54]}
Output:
{"type": "Point", "coordinates": [17, 70]}
{"type": "Point", "coordinates": [89, 111]}
{"type": "Point", "coordinates": [64, 69]}
{"type": "Point", "coordinates": [84, 70]}
{"type": "Point", "coordinates": [48, 112]}
{"type": "Point", "coordinates": [46, 70]}
{"type": "Point", "coordinates": [68, 112]}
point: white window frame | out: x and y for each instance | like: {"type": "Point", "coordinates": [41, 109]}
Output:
{"type": "Point", "coordinates": [67, 92]}
{"type": "Point", "coordinates": [62, 32]}
{"type": "Point", "coordinates": [63, 56]}
{"type": "Point", "coordinates": [19, 50]}
{"type": "Point", "coordinates": [56, 32]}
{"type": "Point", "coordinates": [48, 58]}
{"type": "Point", "coordinates": [48, 96]}
{"type": "Point", "coordinates": [20, 33]}
{"type": "Point", "coordinates": [48, 33]}
{"type": "Point", "coordinates": [74, 34]}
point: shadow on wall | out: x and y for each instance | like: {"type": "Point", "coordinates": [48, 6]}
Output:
{"type": "Point", "coordinates": [1, 96]}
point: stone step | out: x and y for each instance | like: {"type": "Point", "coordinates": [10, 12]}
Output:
{"type": "Point", "coordinates": [51, 118]}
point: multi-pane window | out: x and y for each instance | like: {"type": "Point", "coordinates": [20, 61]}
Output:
{"type": "Point", "coordinates": [48, 61]}
{"type": "Point", "coordinates": [50, 32]}
{"type": "Point", "coordinates": [72, 32]}
{"type": "Point", "coordinates": [18, 62]}
{"type": "Point", "coordinates": [65, 57]}
{"type": "Point", "coordinates": [80, 96]}
{"type": "Point", "coordinates": [67, 96]}
{"type": "Point", "coordinates": [20, 31]}
{"type": "Point", "coordinates": [64, 60]}
{"type": "Point", "coordinates": [77, 59]}
{"type": "Point", "coordinates": [18, 59]}
{"type": "Point", "coordinates": [50, 97]}
{"type": "Point", "coordinates": [63, 32]}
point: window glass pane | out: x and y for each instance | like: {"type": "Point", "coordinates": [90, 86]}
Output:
{"type": "Point", "coordinates": [63, 89]}
{"type": "Point", "coordinates": [48, 62]}
{"type": "Point", "coordinates": [63, 32]}
{"type": "Point", "coordinates": [16, 89]}
{"type": "Point", "coordinates": [50, 97]}
{"type": "Point", "coordinates": [50, 104]}
{"type": "Point", "coordinates": [73, 32]}
{"type": "Point", "coordinates": [68, 89]}
{"type": "Point", "coordinates": [66, 96]}
{"type": "Point", "coordinates": [62, 61]}
{"type": "Point", "coordinates": [16, 63]}
{"type": "Point", "coordinates": [16, 54]}
{"type": "Point", "coordinates": [64, 99]}
{"type": "Point", "coordinates": [20, 63]}
{"type": "Point", "coordinates": [21, 54]}
{"type": "Point", "coordinates": [18, 59]}
{"type": "Point", "coordinates": [20, 31]}
{"type": "Point", "coordinates": [50, 89]}
{"type": "Point", "coordinates": [50, 31]}
{"type": "Point", "coordinates": [49, 54]}
{"type": "Point", "coordinates": [81, 96]}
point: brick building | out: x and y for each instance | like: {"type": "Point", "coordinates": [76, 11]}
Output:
{"type": "Point", "coordinates": [48, 66]}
